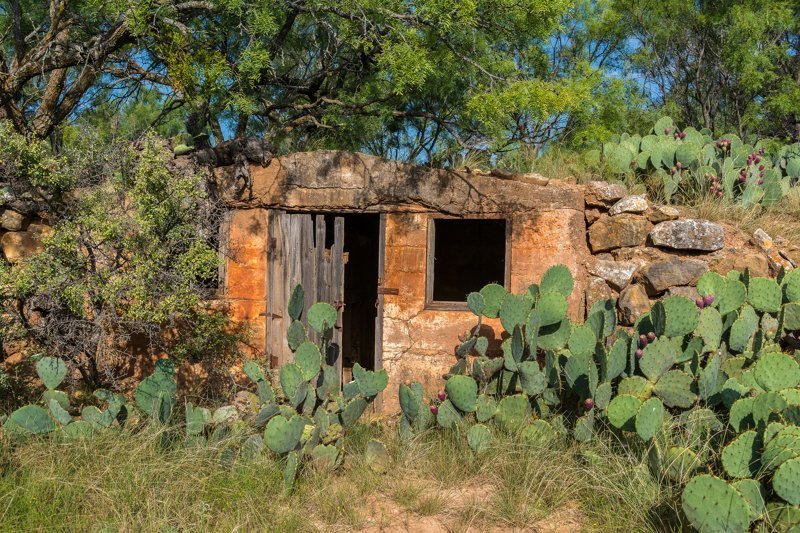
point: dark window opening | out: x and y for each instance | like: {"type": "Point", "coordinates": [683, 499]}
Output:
{"type": "Point", "coordinates": [467, 254]}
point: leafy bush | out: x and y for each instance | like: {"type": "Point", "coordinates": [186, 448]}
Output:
{"type": "Point", "coordinates": [706, 384]}
{"type": "Point", "coordinates": [687, 163]}
{"type": "Point", "coordinates": [129, 260]}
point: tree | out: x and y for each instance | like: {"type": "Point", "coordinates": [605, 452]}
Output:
{"type": "Point", "coordinates": [128, 264]}
{"type": "Point", "coordinates": [720, 65]}
{"type": "Point", "coordinates": [56, 54]}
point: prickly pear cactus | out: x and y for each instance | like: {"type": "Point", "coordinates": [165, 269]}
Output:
{"type": "Point", "coordinates": [711, 504]}
{"type": "Point", "coordinates": [51, 371]}
{"type": "Point", "coordinates": [462, 392]}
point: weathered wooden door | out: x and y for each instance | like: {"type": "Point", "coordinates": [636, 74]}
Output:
{"type": "Point", "coordinates": [296, 253]}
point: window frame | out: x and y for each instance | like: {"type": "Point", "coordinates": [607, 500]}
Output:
{"type": "Point", "coordinates": [430, 250]}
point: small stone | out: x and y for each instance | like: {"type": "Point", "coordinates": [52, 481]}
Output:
{"type": "Point", "coordinates": [629, 204]}
{"type": "Point", "coordinates": [618, 232]}
{"type": "Point", "coordinates": [592, 215]}
{"type": "Point", "coordinates": [756, 263]}
{"type": "Point", "coordinates": [633, 302]}
{"type": "Point", "coordinates": [661, 275]}
{"type": "Point", "coordinates": [41, 230]}
{"type": "Point", "coordinates": [596, 290]}
{"type": "Point", "coordinates": [617, 274]}
{"type": "Point", "coordinates": [688, 292]}
{"type": "Point", "coordinates": [662, 213]}
{"type": "Point", "coordinates": [18, 245]}
{"type": "Point", "coordinates": [11, 220]}
{"type": "Point", "coordinates": [604, 194]}
{"type": "Point", "coordinates": [689, 234]}
{"type": "Point", "coordinates": [774, 256]}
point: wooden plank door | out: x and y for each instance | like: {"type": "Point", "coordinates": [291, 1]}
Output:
{"type": "Point", "coordinates": [297, 254]}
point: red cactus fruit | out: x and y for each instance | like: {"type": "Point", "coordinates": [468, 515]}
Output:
{"type": "Point", "coordinates": [435, 409]}
{"type": "Point", "coordinates": [760, 174]}
{"type": "Point", "coordinates": [742, 179]}
{"type": "Point", "coordinates": [638, 353]}
{"type": "Point", "coordinates": [757, 159]}
{"type": "Point", "coordinates": [666, 131]}
{"type": "Point", "coordinates": [678, 165]}
{"type": "Point", "coordinates": [442, 396]}
{"type": "Point", "coordinates": [683, 135]}
{"type": "Point", "coordinates": [643, 340]}
{"type": "Point", "coordinates": [651, 336]}
{"type": "Point", "coordinates": [760, 182]}
{"type": "Point", "coordinates": [708, 299]}
{"type": "Point", "coordinates": [700, 303]}
{"type": "Point", "coordinates": [588, 403]}
{"type": "Point", "coordinates": [760, 167]}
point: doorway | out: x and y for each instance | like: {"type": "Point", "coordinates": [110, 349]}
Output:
{"type": "Point", "coordinates": [361, 273]}
{"type": "Point", "coordinates": [336, 258]}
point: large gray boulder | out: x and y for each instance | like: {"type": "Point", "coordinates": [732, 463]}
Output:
{"type": "Point", "coordinates": [689, 234]}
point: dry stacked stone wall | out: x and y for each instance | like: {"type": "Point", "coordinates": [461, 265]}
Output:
{"type": "Point", "coordinates": [641, 251]}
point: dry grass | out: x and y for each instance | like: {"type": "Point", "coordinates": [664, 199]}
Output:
{"type": "Point", "coordinates": [780, 220]}
{"type": "Point", "coordinates": [134, 482]}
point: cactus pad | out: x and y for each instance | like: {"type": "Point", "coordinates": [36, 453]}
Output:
{"type": "Point", "coordinates": [617, 359]}
{"type": "Point", "coordinates": [730, 297]}
{"type": "Point", "coordinates": [675, 389]}
{"type": "Point", "coordinates": [636, 386]}
{"type": "Point", "coordinates": [709, 328]}
{"type": "Point", "coordinates": [558, 279]}
{"type": "Point", "coordinates": [476, 303]}
{"type": "Point", "coordinates": [775, 371]}
{"type": "Point", "coordinates": [479, 438]}
{"type": "Point", "coordinates": [554, 337]}
{"type": "Point", "coordinates": [532, 379]}
{"type": "Point", "coordinates": [58, 412]}
{"type": "Point", "coordinates": [674, 316]}
{"type": "Point", "coordinates": [481, 345]}
{"type": "Point", "coordinates": [51, 371]}
{"type": "Point", "coordinates": [493, 295]}
{"type": "Point", "coordinates": [649, 418]}
{"type": "Point", "coordinates": [753, 492]}
{"type": "Point", "coordinates": [291, 376]}
{"type": "Point", "coordinates": [657, 358]}
{"type": "Point", "coordinates": [582, 340]}
{"type": "Point", "coordinates": [780, 448]}
{"type": "Point", "coordinates": [740, 457]}
{"type": "Point", "coordinates": [308, 359]}
{"type": "Point", "coordinates": [448, 417]}
{"type": "Point", "coordinates": [325, 456]}
{"type": "Point", "coordinates": [296, 302]}
{"type": "Point", "coordinates": [710, 284]}
{"type": "Point", "coordinates": [743, 329]}
{"type": "Point", "coordinates": [764, 294]}
{"type": "Point", "coordinates": [741, 414]}
{"type": "Point", "coordinates": [282, 435]}
{"type": "Point", "coordinates": [485, 408]}
{"type": "Point", "coordinates": [767, 406]}
{"type": "Point", "coordinates": [539, 432]}
{"type": "Point", "coordinates": [295, 335]}
{"type": "Point", "coordinates": [786, 481]}
{"type": "Point", "coordinates": [584, 427]}
{"type": "Point", "coordinates": [552, 308]}
{"type": "Point", "coordinates": [352, 411]}
{"type": "Point", "coordinates": [513, 411]}
{"type": "Point", "coordinates": [409, 402]}
{"type": "Point", "coordinates": [711, 504]}
{"type": "Point", "coordinates": [29, 419]}
{"type": "Point", "coordinates": [791, 286]}
{"type": "Point", "coordinates": [791, 316]}
{"type": "Point", "coordinates": [322, 317]}
{"type": "Point", "coordinates": [514, 311]}
{"type": "Point", "coordinates": [290, 471]}
{"type": "Point", "coordinates": [462, 392]}
{"type": "Point", "coordinates": [370, 383]}
{"type": "Point", "coordinates": [622, 412]}
{"type": "Point", "coordinates": [253, 371]}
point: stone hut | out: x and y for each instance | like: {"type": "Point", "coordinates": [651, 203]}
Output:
{"type": "Point", "coordinates": [396, 248]}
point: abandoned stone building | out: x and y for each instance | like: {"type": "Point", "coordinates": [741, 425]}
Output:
{"type": "Point", "coordinates": [396, 248]}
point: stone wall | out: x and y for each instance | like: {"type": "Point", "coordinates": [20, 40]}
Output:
{"type": "Point", "coordinates": [641, 252]}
